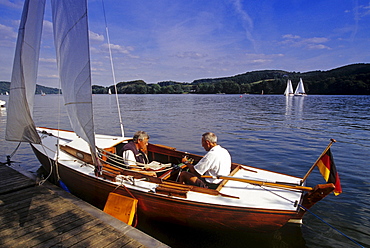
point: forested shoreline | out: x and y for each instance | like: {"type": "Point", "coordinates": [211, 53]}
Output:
{"type": "Point", "coordinates": [347, 80]}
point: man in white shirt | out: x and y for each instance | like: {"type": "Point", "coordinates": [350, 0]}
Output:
{"type": "Point", "coordinates": [216, 162]}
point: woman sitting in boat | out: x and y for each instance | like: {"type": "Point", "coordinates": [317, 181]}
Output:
{"type": "Point", "coordinates": [134, 153]}
{"type": "Point", "coordinates": [216, 162]}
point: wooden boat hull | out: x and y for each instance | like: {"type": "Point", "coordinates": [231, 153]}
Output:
{"type": "Point", "coordinates": [233, 205]}
{"type": "Point", "coordinates": [168, 209]}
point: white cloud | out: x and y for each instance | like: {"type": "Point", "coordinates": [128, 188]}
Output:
{"type": "Point", "coordinates": [317, 47]}
{"type": "Point", "coordinates": [118, 48]}
{"type": "Point", "coordinates": [12, 4]}
{"type": "Point", "coordinates": [290, 36]}
{"type": "Point", "coordinates": [95, 37]}
{"type": "Point", "coordinates": [247, 21]}
{"type": "Point", "coordinates": [52, 60]}
{"type": "Point", "coordinates": [261, 58]}
{"type": "Point", "coordinates": [315, 40]}
{"type": "Point", "coordinates": [191, 55]}
{"type": "Point", "coordinates": [314, 43]}
{"type": "Point", "coordinates": [53, 76]}
{"type": "Point", "coordinates": [7, 32]}
{"type": "Point", "coordinates": [364, 10]}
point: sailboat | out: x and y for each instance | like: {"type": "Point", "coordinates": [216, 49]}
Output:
{"type": "Point", "coordinates": [299, 91]}
{"type": "Point", "coordinates": [289, 89]}
{"type": "Point", "coordinates": [249, 198]}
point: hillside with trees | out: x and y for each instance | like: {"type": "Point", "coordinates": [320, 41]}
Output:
{"type": "Point", "coordinates": [347, 80]}
{"type": "Point", "coordinates": [4, 87]}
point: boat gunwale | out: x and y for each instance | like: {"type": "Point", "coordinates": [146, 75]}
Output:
{"type": "Point", "coordinates": [171, 198]}
{"type": "Point", "coordinates": [233, 164]}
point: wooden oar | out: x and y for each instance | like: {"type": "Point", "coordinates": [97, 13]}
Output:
{"type": "Point", "coordinates": [262, 183]}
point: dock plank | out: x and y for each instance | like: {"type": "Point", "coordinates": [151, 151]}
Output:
{"type": "Point", "coordinates": [46, 216]}
{"type": "Point", "coordinates": [11, 181]}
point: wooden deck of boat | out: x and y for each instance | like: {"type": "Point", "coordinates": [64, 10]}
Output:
{"type": "Point", "coordinates": [46, 216]}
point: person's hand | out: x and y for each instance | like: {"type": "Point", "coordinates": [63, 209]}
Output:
{"type": "Point", "coordinates": [186, 160]}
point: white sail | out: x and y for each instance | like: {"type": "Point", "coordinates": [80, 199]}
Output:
{"type": "Point", "coordinates": [300, 88]}
{"type": "Point", "coordinates": [289, 88]}
{"type": "Point", "coordinates": [20, 125]}
{"type": "Point", "coordinates": [73, 58]}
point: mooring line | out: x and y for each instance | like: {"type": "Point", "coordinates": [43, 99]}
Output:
{"type": "Point", "coordinates": [325, 222]}
{"type": "Point", "coordinates": [318, 217]}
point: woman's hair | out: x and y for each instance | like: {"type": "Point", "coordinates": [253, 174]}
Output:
{"type": "Point", "coordinates": [211, 137]}
{"type": "Point", "coordinates": [140, 135]}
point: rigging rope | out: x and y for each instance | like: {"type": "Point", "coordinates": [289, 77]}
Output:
{"type": "Point", "coordinates": [119, 162]}
{"type": "Point", "coordinates": [8, 157]}
{"type": "Point", "coordinates": [51, 162]}
{"type": "Point", "coordinates": [113, 73]}
{"type": "Point", "coordinates": [12, 154]}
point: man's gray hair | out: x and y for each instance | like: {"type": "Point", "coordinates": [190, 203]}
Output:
{"type": "Point", "coordinates": [140, 135]}
{"type": "Point", "coordinates": [211, 137]}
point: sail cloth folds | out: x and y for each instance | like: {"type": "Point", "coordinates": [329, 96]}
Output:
{"type": "Point", "coordinates": [71, 39]}
{"type": "Point", "coordinates": [20, 125]}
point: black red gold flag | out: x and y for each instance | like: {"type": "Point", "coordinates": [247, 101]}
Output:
{"type": "Point", "coordinates": [328, 170]}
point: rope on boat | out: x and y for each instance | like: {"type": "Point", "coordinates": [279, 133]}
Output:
{"type": "Point", "coordinates": [118, 162]}
{"type": "Point", "coordinates": [129, 192]}
{"type": "Point", "coordinates": [325, 222]}
{"type": "Point", "coordinates": [15, 150]}
{"type": "Point", "coordinates": [8, 157]}
{"type": "Point", "coordinates": [318, 217]}
{"type": "Point", "coordinates": [52, 163]}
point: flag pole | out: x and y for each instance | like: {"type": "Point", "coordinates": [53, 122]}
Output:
{"type": "Point", "coordinates": [313, 166]}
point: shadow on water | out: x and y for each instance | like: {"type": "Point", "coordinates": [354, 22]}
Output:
{"type": "Point", "coordinates": [173, 235]}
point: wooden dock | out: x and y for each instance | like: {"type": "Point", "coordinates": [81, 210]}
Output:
{"type": "Point", "coordinates": [47, 216]}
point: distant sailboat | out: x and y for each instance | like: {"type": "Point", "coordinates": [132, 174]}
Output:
{"type": "Point", "coordinates": [43, 93]}
{"type": "Point", "coordinates": [109, 92]}
{"type": "Point", "coordinates": [289, 89]}
{"type": "Point", "coordinates": [299, 91]}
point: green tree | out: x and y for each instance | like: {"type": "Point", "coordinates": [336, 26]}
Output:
{"type": "Point", "coordinates": [154, 89]}
{"type": "Point", "coordinates": [168, 89]}
{"type": "Point", "coordinates": [178, 89]}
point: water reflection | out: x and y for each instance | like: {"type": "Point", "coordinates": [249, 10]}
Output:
{"type": "Point", "coordinates": [298, 102]}
{"type": "Point", "coordinates": [294, 107]}
{"type": "Point", "coordinates": [288, 105]}
{"type": "Point", "coordinates": [3, 111]}
{"type": "Point", "coordinates": [183, 237]}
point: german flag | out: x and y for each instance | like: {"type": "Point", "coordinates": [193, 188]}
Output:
{"type": "Point", "coordinates": [329, 171]}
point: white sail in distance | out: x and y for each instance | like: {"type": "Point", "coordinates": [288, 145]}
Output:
{"type": "Point", "coordinates": [289, 88]}
{"type": "Point", "coordinates": [300, 88]}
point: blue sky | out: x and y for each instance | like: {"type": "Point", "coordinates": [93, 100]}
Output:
{"type": "Point", "coordinates": [184, 40]}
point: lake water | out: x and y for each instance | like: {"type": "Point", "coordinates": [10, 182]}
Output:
{"type": "Point", "coordinates": [268, 131]}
